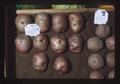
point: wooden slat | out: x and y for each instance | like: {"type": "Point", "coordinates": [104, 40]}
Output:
{"type": "Point", "coordinates": [51, 11]}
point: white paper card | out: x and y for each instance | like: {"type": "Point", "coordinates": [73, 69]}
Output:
{"type": "Point", "coordinates": [32, 30]}
{"type": "Point", "coordinates": [101, 17]}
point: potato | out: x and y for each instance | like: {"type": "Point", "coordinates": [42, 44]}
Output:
{"type": "Point", "coordinates": [95, 61]}
{"type": "Point", "coordinates": [61, 64]}
{"type": "Point", "coordinates": [59, 22]}
{"type": "Point", "coordinates": [94, 44]}
{"type": "Point", "coordinates": [40, 61]}
{"type": "Point", "coordinates": [110, 43]}
{"type": "Point", "coordinates": [43, 21]}
{"type": "Point", "coordinates": [111, 74]}
{"type": "Point", "coordinates": [76, 22]}
{"type": "Point", "coordinates": [110, 59]}
{"type": "Point", "coordinates": [96, 75]}
{"type": "Point", "coordinates": [102, 31]}
{"type": "Point", "coordinates": [75, 43]}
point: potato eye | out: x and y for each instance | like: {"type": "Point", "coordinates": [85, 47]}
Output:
{"type": "Point", "coordinates": [74, 24]}
{"type": "Point", "coordinates": [22, 22]}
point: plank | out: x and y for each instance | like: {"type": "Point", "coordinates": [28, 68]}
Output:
{"type": "Point", "coordinates": [52, 11]}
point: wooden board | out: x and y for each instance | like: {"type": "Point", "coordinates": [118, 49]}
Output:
{"type": "Point", "coordinates": [51, 11]}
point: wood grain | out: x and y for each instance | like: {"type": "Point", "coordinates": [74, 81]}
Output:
{"type": "Point", "coordinates": [52, 11]}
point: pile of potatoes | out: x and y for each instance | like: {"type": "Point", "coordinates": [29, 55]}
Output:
{"type": "Point", "coordinates": [58, 43]}
{"type": "Point", "coordinates": [95, 44]}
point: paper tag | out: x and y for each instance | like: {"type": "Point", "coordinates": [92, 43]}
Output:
{"type": "Point", "coordinates": [101, 17]}
{"type": "Point", "coordinates": [32, 30]}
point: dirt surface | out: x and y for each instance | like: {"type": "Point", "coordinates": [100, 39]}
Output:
{"type": "Point", "coordinates": [79, 66]}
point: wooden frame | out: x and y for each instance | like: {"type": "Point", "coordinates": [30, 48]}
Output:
{"type": "Point", "coordinates": [10, 33]}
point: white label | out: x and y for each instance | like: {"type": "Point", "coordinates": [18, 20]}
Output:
{"type": "Point", "coordinates": [101, 17]}
{"type": "Point", "coordinates": [32, 30]}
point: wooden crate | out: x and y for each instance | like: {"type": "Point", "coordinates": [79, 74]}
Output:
{"type": "Point", "coordinates": [80, 68]}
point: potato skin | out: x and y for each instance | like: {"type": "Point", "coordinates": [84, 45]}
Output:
{"type": "Point", "coordinates": [94, 44]}
{"type": "Point", "coordinates": [43, 21]}
{"type": "Point", "coordinates": [95, 61]}
{"type": "Point", "coordinates": [75, 43]}
{"type": "Point", "coordinates": [111, 74]}
{"type": "Point", "coordinates": [58, 43]}
{"type": "Point", "coordinates": [102, 31]}
{"type": "Point", "coordinates": [61, 64]}
{"type": "Point", "coordinates": [41, 42]}
{"type": "Point", "coordinates": [40, 61]}
{"type": "Point", "coordinates": [110, 59]}
{"type": "Point", "coordinates": [96, 75]}
{"type": "Point", "coordinates": [59, 22]}
{"type": "Point", "coordinates": [23, 43]}
{"type": "Point", "coordinates": [21, 21]}
{"type": "Point", "coordinates": [76, 22]}
{"type": "Point", "coordinates": [110, 43]}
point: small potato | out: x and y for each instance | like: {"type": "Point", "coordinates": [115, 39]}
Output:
{"type": "Point", "coordinates": [23, 43]}
{"type": "Point", "coordinates": [95, 61]}
{"type": "Point", "coordinates": [110, 43]}
{"type": "Point", "coordinates": [111, 74]}
{"type": "Point", "coordinates": [59, 23]}
{"type": "Point", "coordinates": [43, 21]}
{"type": "Point", "coordinates": [75, 43]}
{"type": "Point", "coordinates": [102, 31]}
{"type": "Point", "coordinates": [58, 43]}
{"type": "Point", "coordinates": [110, 59]}
{"type": "Point", "coordinates": [40, 61]}
{"type": "Point", "coordinates": [94, 44]}
{"type": "Point", "coordinates": [61, 64]}
{"type": "Point", "coordinates": [41, 42]}
{"type": "Point", "coordinates": [96, 75]}
{"type": "Point", "coordinates": [21, 21]}
{"type": "Point", "coordinates": [76, 22]}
